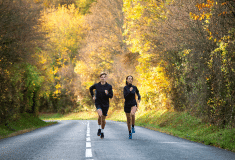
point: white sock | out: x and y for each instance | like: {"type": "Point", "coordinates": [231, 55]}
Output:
{"type": "Point", "coordinates": [102, 130]}
{"type": "Point", "coordinates": [99, 126]}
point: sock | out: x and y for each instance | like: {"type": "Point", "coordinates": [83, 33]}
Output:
{"type": "Point", "coordinates": [132, 126]}
{"type": "Point", "coordinates": [102, 130]}
{"type": "Point", "coordinates": [129, 131]}
{"type": "Point", "coordinates": [99, 126]}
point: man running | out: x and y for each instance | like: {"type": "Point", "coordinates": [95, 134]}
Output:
{"type": "Point", "coordinates": [103, 93]}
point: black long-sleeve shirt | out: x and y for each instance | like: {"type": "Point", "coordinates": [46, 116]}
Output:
{"type": "Point", "coordinates": [101, 97]}
{"type": "Point", "coordinates": [130, 95]}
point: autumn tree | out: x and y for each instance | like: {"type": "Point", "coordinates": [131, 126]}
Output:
{"type": "Point", "coordinates": [19, 89]}
{"type": "Point", "coordinates": [104, 49]}
{"type": "Point", "coordinates": [218, 17]}
{"type": "Point", "coordinates": [192, 41]}
{"type": "Point", "coordinates": [65, 30]}
{"type": "Point", "coordinates": [141, 20]}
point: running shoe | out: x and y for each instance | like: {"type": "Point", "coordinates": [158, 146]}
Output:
{"type": "Point", "coordinates": [133, 130]}
{"type": "Point", "coordinates": [130, 135]}
{"type": "Point", "coordinates": [99, 132]}
{"type": "Point", "coordinates": [102, 135]}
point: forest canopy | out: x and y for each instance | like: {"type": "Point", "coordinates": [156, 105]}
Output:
{"type": "Point", "coordinates": [180, 52]}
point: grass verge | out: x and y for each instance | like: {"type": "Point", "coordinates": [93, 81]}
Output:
{"type": "Point", "coordinates": [180, 124]}
{"type": "Point", "coordinates": [183, 125]}
{"type": "Point", "coordinates": [25, 123]}
{"type": "Point", "coordinates": [91, 115]}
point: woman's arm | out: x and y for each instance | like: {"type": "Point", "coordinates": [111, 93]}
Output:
{"type": "Point", "coordinates": [138, 94]}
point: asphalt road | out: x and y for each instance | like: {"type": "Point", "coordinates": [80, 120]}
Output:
{"type": "Point", "coordinates": [77, 140]}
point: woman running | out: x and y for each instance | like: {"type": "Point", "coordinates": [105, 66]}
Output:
{"type": "Point", "coordinates": [130, 106]}
{"type": "Point", "coordinates": [103, 93]}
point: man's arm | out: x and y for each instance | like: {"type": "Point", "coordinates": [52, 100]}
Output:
{"type": "Point", "coordinates": [91, 90]}
{"type": "Point", "coordinates": [110, 92]}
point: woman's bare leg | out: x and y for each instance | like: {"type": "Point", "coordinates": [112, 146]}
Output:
{"type": "Point", "coordinates": [128, 117]}
{"type": "Point", "coordinates": [133, 119]}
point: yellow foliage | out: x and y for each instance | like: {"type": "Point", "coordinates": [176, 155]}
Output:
{"type": "Point", "coordinates": [58, 86]}
{"type": "Point", "coordinates": [65, 28]}
{"type": "Point", "coordinates": [154, 85]}
{"type": "Point", "coordinates": [153, 81]}
{"type": "Point", "coordinates": [58, 78]}
{"type": "Point", "coordinates": [80, 68]}
{"type": "Point", "coordinates": [57, 92]}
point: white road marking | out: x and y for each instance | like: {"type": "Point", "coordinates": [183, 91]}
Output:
{"type": "Point", "coordinates": [88, 144]}
{"type": "Point", "coordinates": [88, 153]}
{"type": "Point", "coordinates": [88, 139]}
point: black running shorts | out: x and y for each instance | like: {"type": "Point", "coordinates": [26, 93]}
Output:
{"type": "Point", "coordinates": [127, 109]}
{"type": "Point", "coordinates": [104, 109]}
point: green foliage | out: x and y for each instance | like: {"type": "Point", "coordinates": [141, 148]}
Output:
{"type": "Point", "coordinates": [24, 84]}
{"type": "Point", "coordinates": [32, 83]}
{"type": "Point", "coordinates": [84, 6]}
{"type": "Point", "coordinates": [220, 101]}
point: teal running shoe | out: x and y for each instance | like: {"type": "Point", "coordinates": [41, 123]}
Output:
{"type": "Point", "coordinates": [133, 130]}
{"type": "Point", "coordinates": [130, 135]}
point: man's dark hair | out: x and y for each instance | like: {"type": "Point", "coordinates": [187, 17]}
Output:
{"type": "Point", "coordinates": [127, 78]}
{"type": "Point", "coordinates": [103, 73]}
